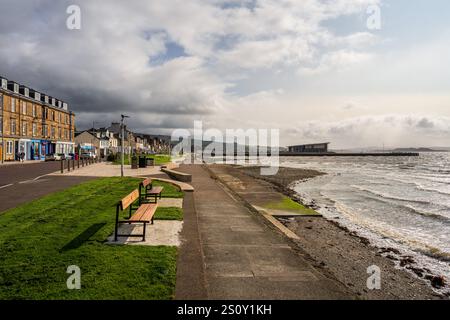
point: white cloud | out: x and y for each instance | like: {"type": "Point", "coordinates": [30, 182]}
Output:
{"type": "Point", "coordinates": [414, 130]}
{"type": "Point", "coordinates": [121, 61]}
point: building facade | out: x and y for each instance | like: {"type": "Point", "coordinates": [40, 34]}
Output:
{"type": "Point", "coordinates": [85, 141]}
{"type": "Point", "coordinates": [310, 148]}
{"type": "Point", "coordinates": [33, 123]}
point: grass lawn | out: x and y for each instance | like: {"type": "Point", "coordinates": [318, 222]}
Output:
{"type": "Point", "coordinates": [169, 213]}
{"type": "Point", "coordinates": [160, 159]}
{"type": "Point", "coordinates": [169, 191]}
{"type": "Point", "coordinates": [40, 239]}
{"type": "Point", "coordinates": [287, 204]}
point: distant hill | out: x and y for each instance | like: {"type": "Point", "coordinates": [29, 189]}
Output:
{"type": "Point", "coordinates": [413, 150]}
{"type": "Point", "coordinates": [407, 149]}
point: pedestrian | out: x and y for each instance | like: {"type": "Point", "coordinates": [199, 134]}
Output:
{"type": "Point", "coordinates": [22, 156]}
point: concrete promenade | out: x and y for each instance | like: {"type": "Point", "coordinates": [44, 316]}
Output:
{"type": "Point", "coordinates": [242, 257]}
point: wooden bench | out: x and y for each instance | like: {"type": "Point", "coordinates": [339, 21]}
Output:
{"type": "Point", "coordinates": [149, 192]}
{"type": "Point", "coordinates": [144, 213]}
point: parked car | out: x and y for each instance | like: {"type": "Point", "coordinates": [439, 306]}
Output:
{"type": "Point", "coordinates": [60, 156]}
{"type": "Point", "coordinates": [88, 155]}
{"type": "Point", "coordinates": [69, 156]}
{"type": "Point", "coordinates": [50, 157]}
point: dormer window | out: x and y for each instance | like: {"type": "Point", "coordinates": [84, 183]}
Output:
{"type": "Point", "coordinates": [24, 91]}
{"type": "Point", "coordinates": [4, 84]}
{"type": "Point", "coordinates": [13, 86]}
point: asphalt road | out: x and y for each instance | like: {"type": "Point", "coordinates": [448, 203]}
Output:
{"type": "Point", "coordinates": [21, 183]}
{"type": "Point", "coordinates": [15, 173]}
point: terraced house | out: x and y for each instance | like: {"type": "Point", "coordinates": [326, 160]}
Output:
{"type": "Point", "coordinates": [33, 123]}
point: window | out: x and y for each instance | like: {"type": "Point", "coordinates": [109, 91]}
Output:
{"type": "Point", "coordinates": [34, 110]}
{"type": "Point", "coordinates": [60, 133]}
{"type": "Point", "coordinates": [24, 128]}
{"type": "Point", "coordinates": [13, 105]}
{"type": "Point", "coordinates": [53, 115]}
{"type": "Point", "coordinates": [34, 129]}
{"type": "Point", "coordinates": [59, 117]}
{"type": "Point", "coordinates": [45, 127]}
{"type": "Point", "coordinates": [53, 132]}
{"type": "Point", "coordinates": [1, 101]}
{"type": "Point", "coordinates": [9, 147]}
{"type": "Point", "coordinates": [24, 108]}
{"type": "Point", "coordinates": [1, 125]}
{"type": "Point", "coordinates": [13, 126]}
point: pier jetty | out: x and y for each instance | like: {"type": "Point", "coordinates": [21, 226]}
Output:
{"type": "Point", "coordinates": [349, 154]}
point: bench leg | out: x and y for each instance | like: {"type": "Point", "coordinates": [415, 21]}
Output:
{"type": "Point", "coordinates": [116, 228]}
{"type": "Point", "coordinates": [143, 237]}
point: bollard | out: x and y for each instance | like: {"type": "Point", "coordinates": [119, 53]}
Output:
{"type": "Point", "coordinates": [62, 166]}
{"type": "Point", "coordinates": [73, 164]}
{"type": "Point", "coordinates": [78, 163]}
{"type": "Point", "coordinates": [68, 165]}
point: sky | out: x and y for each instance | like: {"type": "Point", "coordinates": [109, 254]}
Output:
{"type": "Point", "coordinates": [311, 68]}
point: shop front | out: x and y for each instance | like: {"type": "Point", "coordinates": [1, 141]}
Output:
{"type": "Point", "coordinates": [11, 147]}
{"type": "Point", "coordinates": [65, 147]}
{"type": "Point", "coordinates": [49, 147]}
{"type": "Point", "coordinates": [45, 148]}
{"type": "Point", "coordinates": [35, 150]}
{"type": "Point", "coordinates": [24, 147]}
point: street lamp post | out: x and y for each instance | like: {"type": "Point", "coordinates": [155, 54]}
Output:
{"type": "Point", "coordinates": [122, 143]}
{"type": "Point", "coordinates": [93, 135]}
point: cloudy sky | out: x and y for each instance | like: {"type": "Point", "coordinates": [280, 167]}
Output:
{"type": "Point", "coordinates": [311, 68]}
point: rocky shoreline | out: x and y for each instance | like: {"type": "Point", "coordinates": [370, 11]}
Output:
{"type": "Point", "coordinates": [346, 254]}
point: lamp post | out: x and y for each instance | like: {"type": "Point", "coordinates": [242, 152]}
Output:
{"type": "Point", "coordinates": [93, 135]}
{"type": "Point", "coordinates": [122, 143]}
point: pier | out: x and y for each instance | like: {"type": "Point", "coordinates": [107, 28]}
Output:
{"type": "Point", "coordinates": [350, 154]}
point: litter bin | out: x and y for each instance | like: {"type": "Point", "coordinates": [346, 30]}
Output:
{"type": "Point", "coordinates": [142, 162]}
{"type": "Point", "coordinates": [150, 162]}
{"type": "Point", "coordinates": [134, 163]}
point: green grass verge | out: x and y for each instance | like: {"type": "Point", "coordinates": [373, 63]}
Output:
{"type": "Point", "coordinates": [169, 191]}
{"type": "Point", "coordinates": [159, 159]}
{"type": "Point", "coordinates": [40, 239]}
{"type": "Point", "coordinates": [287, 204]}
{"type": "Point", "coordinates": [169, 213]}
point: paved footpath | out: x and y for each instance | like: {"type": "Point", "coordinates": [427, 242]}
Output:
{"type": "Point", "coordinates": [242, 257]}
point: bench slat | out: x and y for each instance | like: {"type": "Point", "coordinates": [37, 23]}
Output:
{"type": "Point", "coordinates": [147, 182]}
{"type": "Point", "coordinates": [155, 190]}
{"type": "Point", "coordinates": [145, 213]}
{"type": "Point", "coordinates": [129, 199]}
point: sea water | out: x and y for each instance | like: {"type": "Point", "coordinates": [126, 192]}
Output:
{"type": "Point", "coordinates": [400, 202]}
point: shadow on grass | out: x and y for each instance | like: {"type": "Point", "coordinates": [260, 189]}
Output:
{"type": "Point", "coordinates": [83, 237]}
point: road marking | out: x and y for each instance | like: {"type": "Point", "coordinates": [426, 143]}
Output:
{"type": "Point", "coordinates": [6, 186]}
{"type": "Point", "coordinates": [32, 180]}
